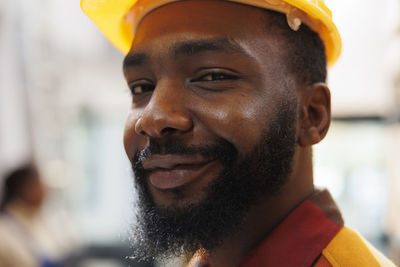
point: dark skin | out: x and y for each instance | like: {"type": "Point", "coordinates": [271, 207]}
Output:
{"type": "Point", "coordinates": [199, 76]}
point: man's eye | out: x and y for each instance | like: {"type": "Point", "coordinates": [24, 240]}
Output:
{"type": "Point", "coordinates": [216, 77]}
{"type": "Point", "coordinates": [139, 89]}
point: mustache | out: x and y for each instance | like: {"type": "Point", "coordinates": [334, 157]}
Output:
{"type": "Point", "coordinates": [220, 149]}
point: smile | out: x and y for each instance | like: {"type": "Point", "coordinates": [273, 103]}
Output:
{"type": "Point", "coordinates": [174, 171]}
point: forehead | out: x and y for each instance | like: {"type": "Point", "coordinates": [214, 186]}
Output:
{"type": "Point", "coordinates": [199, 19]}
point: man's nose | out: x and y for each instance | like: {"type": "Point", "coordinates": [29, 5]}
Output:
{"type": "Point", "coordinates": [165, 114]}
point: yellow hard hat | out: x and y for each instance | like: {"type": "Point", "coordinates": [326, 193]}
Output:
{"type": "Point", "coordinates": [118, 19]}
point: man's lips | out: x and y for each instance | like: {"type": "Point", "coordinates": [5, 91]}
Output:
{"type": "Point", "coordinates": [170, 161]}
{"type": "Point", "coordinates": [173, 171]}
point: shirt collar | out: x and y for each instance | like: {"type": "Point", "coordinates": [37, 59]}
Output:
{"type": "Point", "coordinates": [299, 239]}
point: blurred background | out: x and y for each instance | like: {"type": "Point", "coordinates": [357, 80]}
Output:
{"type": "Point", "coordinates": [63, 102]}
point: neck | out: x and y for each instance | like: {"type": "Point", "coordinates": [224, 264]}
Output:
{"type": "Point", "coordinates": [268, 213]}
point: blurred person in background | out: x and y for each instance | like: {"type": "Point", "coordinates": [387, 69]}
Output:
{"type": "Point", "coordinates": [27, 238]}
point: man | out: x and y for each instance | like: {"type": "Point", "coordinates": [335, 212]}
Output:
{"type": "Point", "coordinates": [227, 100]}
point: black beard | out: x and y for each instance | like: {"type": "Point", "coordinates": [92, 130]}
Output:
{"type": "Point", "coordinates": [163, 232]}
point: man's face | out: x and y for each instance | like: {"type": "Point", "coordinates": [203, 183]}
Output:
{"type": "Point", "coordinates": [210, 96]}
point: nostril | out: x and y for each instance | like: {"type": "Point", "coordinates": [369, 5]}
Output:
{"type": "Point", "coordinates": [158, 121]}
{"type": "Point", "coordinates": [167, 130]}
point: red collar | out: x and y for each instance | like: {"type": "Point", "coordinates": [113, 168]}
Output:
{"type": "Point", "coordinates": [300, 238]}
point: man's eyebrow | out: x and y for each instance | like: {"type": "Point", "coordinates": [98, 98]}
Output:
{"type": "Point", "coordinates": [192, 47]}
{"type": "Point", "coordinates": [135, 60]}
{"type": "Point", "coordinates": [188, 48]}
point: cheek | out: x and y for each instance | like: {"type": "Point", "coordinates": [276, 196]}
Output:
{"type": "Point", "coordinates": [241, 121]}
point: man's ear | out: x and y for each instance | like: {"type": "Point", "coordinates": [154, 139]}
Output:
{"type": "Point", "coordinates": [315, 114]}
